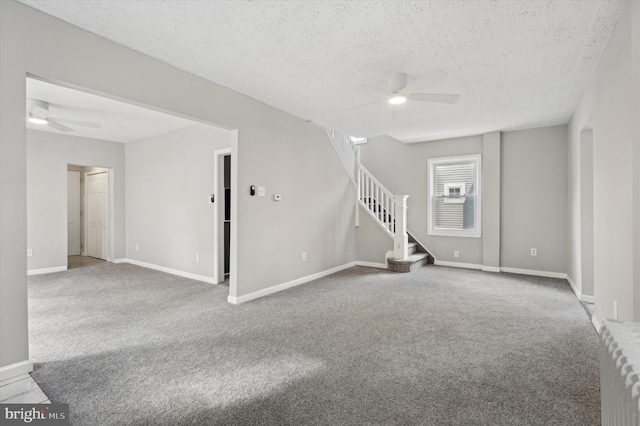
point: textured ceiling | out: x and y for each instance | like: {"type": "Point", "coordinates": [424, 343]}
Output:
{"type": "Point", "coordinates": [120, 122]}
{"type": "Point", "coordinates": [515, 64]}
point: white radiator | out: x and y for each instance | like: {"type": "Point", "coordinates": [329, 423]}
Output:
{"type": "Point", "coordinates": [620, 373]}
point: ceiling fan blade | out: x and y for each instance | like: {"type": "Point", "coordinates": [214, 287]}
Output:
{"type": "Point", "coordinates": [440, 98]}
{"type": "Point", "coordinates": [39, 111]}
{"type": "Point", "coordinates": [363, 105]}
{"type": "Point", "coordinates": [376, 89]}
{"type": "Point", "coordinates": [77, 122]}
{"type": "Point", "coordinates": [58, 126]}
{"type": "Point", "coordinates": [428, 80]}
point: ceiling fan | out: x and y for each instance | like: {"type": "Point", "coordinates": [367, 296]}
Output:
{"type": "Point", "coordinates": [399, 90]}
{"type": "Point", "coordinates": [38, 113]}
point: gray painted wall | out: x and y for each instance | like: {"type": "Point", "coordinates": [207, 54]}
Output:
{"type": "Point", "coordinates": [274, 149]}
{"type": "Point", "coordinates": [373, 242]}
{"type": "Point", "coordinates": [316, 215]}
{"type": "Point", "coordinates": [586, 212]}
{"type": "Point", "coordinates": [491, 190]}
{"type": "Point", "coordinates": [526, 195]}
{"type": "Point", "coordinates": [608, 106]}
{"type": "Point", "coordinates": [169, 178]}
{"type": "Point", "coordinates": [534, 199]}
{"type": "Point", "coordinates": [48, 157]}
{"type": "Point", "coordinates": [402, 168]}
{"type": "Point", "coordinates": [635, 112]}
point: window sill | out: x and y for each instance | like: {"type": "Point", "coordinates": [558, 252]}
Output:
{"type": "Point", "coordinates": [452, 233]}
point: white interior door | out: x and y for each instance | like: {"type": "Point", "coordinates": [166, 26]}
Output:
{"type": "Point", "coordinates": [73, 213]}
{"type": "Point", "coordinates": [97, 215]}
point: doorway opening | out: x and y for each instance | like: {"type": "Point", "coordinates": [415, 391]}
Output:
{"type": "Point", "coordinates": [89, 216]}
{"type": "Point", "coordinates": [169, 178]}
{"type": "Point", "coordinates": [222, 216]}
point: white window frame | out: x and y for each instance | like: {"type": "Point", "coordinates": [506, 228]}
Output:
{"type": "Point", "coordinates": [469, 233]}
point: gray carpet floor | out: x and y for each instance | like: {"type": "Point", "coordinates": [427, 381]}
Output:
{"type": "Point", "coordinates": [124, 345]}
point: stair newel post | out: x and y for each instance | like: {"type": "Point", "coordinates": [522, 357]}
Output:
{"type": "Point", "coordinates": [358, 185]}
{"type": "Point", "coordinates": [400, 238]}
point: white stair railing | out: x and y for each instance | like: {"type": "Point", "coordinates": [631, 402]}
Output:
{"type": "Point", "coordinates": [377, 200]}
{"type": "Point", "coordinates": [346, 150]}
{"type": "Point", "coordinates": [388, 210]}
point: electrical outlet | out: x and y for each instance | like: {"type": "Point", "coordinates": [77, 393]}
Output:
{"type": "Point", "coordinates": [137, 247]}
{"type": "Point", "coordinates": [615, 310]}
{"type": "Point", "coordinates": [29, 252]}
{"type": "Point", "coordinates": [304, 257]}
{"type": "Point", "coordinates": [197, 258]}
{"type": "Point", "coordinates": [534, 252]}
{"type": "Point", "coordinates": [456, 253]}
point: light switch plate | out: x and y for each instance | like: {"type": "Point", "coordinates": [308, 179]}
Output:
{"type": "Point", "coordinates": [261, 191]}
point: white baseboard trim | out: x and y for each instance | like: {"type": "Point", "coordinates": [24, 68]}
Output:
{"type": "Point", "coordinates": [46, 270]}
{"type": "Point", "coordinates": [596, 323]}
{"type": "Point", "coordinates": [535, 273]}
{"type": "Point", "coordinates": [574, 288]}
{"type": "Point", "coordinates": [501, 269]}
{"type": "Point", "coordinates": [588, 299]}
{"type": "Point", "coordinates": [372, 264]}
{"type": "Point", "coordinates": [16, 369]}
{"type": "Point", "coordinates": [167, 270]}
{"type": "Point", "coordinates": [236, 300]}
{"type": "Point", "coordinates": [388, 255]}
{"type": "Point", "coordinates": [457, 264]}
{"type": "Point", "coordinates": [578, 293]}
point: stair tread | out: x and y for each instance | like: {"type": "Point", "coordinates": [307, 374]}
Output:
{"type": "Point", "coordinates": [413, 258]}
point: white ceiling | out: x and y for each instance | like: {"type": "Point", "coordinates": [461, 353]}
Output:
{"type": "Point", "coordinates": [516, 64]}
{"type": "Point", "coordinates": [120, 122]}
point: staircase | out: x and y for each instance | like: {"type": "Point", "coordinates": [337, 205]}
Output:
{"type": "Point", "coordinates": [417, 256]}
{"type": "Point", "coordinates": [388, 210]}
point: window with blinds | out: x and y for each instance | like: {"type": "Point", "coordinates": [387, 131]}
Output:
{"type": "Point", "coordinates": [454, 196]}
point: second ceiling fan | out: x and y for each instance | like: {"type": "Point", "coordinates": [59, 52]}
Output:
{"type": "Point", "coordinates": [38, 113]}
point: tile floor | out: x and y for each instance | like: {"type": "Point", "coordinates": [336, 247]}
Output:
{"type": "Point", "coordinates": [22, 390]}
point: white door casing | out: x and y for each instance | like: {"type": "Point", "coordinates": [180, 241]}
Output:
{"type": "Point", "coordinates": [97, 215]}
{"type": "Point", "coordinates": [73, 213]}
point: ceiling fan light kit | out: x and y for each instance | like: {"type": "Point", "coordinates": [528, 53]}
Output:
{"type": "Point", "coordinates": [397, 99]}
{"type": "Point", "coordinates": [37, 120]}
